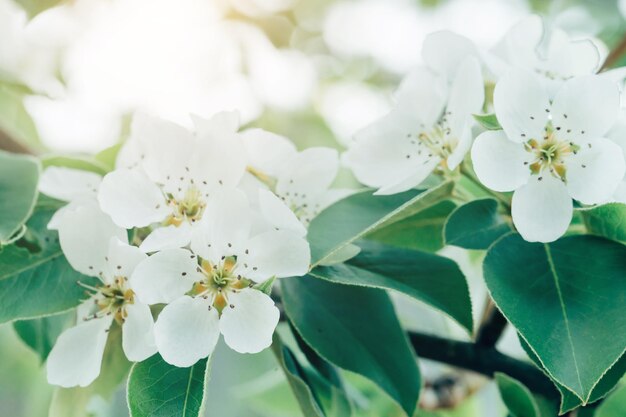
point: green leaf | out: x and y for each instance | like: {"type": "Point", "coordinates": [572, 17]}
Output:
{"type": "Point", "coordinates": [432, 279]}
{"type": "Point", "coordinates": [608, 220]}
{"type": "Point", "coordinates": [475, 225]}
{"type": "Point", "coordinates": [73, 402]}
{"type": "Point", "coordinates": [108, 156]}
{"type": "Point", "coordinates": [569, 400]}
{"type": "Point", "coordinates": [351, 218]}
{"type": "Point", "coordinates": [488, 121]}
{"type": "Point", "coordinates": [421, 231]}
{"type": "Point", "coordinates": [266, 286]}
{"type": "Point", "coordinates": [19, 175]}
{"type": "Point", "coordinates": [355, 328]}
{"type": "Point", "coordinates": [34, 7]}
{"type": "Point", "coordinates": [40, 334]}
{"type": "Point", "coordinates": [293, 372]}
{"type": "Point", "coordinates": [520, 401]}
{"type": "Point", "coordinates": [560, 297]}
{"type": "Point", "coordinates": [14, 119]}
{"type": "Point", "coordinates": [40, 283]}
{"type": "Point", "coordinates": [614, 405]}
{"type": "Point", "coordinates": [85, 163]}
{"type": "Point", "coordinates": [158, 389]}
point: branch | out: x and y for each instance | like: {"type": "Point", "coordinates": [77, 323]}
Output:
{"type": "Point", "coordinates": [483, 360]}
{"type": "Point", "coordinates": [615, 54]}
{"type": "Point", "coordinates": [492, 327]}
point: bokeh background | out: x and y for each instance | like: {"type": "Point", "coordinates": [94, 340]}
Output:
{"type": "Point", "coordinates": [73, 72]}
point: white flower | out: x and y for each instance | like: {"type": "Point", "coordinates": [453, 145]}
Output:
{"type": "Point", "coordinates": [550, 151]}
{"type": "Point", "coordinates": [301, 181]}
{"type": "Point", "coordinates": [174, 173]}
{"type": "Point", "coordinates": [618, 135]}
{"type": "Point", "coordinates": [77, 355]}
{"type": "Point", "coordinates": [550, 54]}
{"type": "Point", "coordinates": [77, 187]}
{"type": "Point", "coordinates": [429, 127]}
{"type": "Point", "coordinates": [209, 290]}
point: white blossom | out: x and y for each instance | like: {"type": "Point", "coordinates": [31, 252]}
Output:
{"type": "Point", "coordinates": [551, 151]}
{"type": "Point", "coordinates": [430, 125]}
{"type": "Point", "coordinates": [209, 289]}
{"type": "Point", "coordinates": [167, 174]}
{"type": "Point", "coordinates": [97, 248]}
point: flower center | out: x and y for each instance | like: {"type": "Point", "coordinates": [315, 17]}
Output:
{"type": "Point", "coordinates": [219, 280]}
{"type": "Point", "coordinates": [190, 208]}
{"type": "Point", "coordinates": [436, 142]}
{"type": "Point", "coordinates": [550, 154]}
{"type": "Point", "coordinates": [111, 299]}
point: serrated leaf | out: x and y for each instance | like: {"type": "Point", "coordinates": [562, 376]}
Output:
{"type": "Point", "coordinates": [41, 283]}
{"type": "Point", "coordinates": [560, 297]}
{"type": "Point", "coordinates": [353, 217]}
{"type": "Point", "coordinates": [432, 279]}
{"type": "Point", "coordinates": [19, 175]}
{"type": "Point", "coordinates": [355, 328]}
{"type": "Point", "coordinates": [608, 220]}
{"type": "Point", "coordinates": [158, 389]}
{"type": "Point", "coordinates": [299, 387]}
{"type": "Point", "coordinates": [421, 231]}
{"type": "Point", "coordinates": [488, 121]}
{"type": "Point", "coordinates": [40, 334]}
{"type": "Point", "coordinates": [475, 225]}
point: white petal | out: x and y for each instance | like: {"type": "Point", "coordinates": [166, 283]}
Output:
{"type": "Point", "coordinates": [218, 161]}
{"type": "Point", "coordinates": [308, 174]}
{"type": "Point", "coordinates": [593, 174]}
{"type": "Point", "coordinates": [130, 155]}
{"type": "Point", "coordinates": [586, 107]}
{"type": "Point", "coordinates": [138, 333]}
{"type": "Point", "coordinates": [499, 163]}
{"type": "Point", "coordinates": [462, 147]}
{"type": "Point", "coordinates": [165, 276]}
{"type": "Point", "coordinates": [267, 152]}
{"type": "Point", "coordinates": [122, 259]}
{"type": "Point", "coordinates": [226, 223]}
{"type": "Point", "coordinates": [521, 42]}
{"type": "Point", "coordinates": [467, 95]}
{"type": "Point", "coordinates": [76, 357]}
{"type": "Point", "coordinates": [571, 58]}
{"type": "Point", "coordinates": [542, 210]}
{"type": "Point", "coordinates": [421, 95]}
{"type": "Point", "coordinates": [55, 220]}
{"type": "Point", "coordinates": [378, 157]}
{"type": "Point", "coordinates": [169, 237]}
{"type": "Point", "coordinates": [521, 101]}
{"type": "Point", "coordinates": [421, 171]}
{"type": "Point", "coordinates": [248, 325]}
{"type": "Point", "coordinates": [221, 123]}
{"type": "Point", "coordinates": [84, 235]}
{"type": "Point", "coordinates": [275, 253]}
{"type": "Point", "coordinates": [68, 184]}
{"type": "Point", "coordinates": [186, 331]}
{"type": "Point", "coordinates": [444, 51]}
{"type": "Point", "coordinates": [131, 199]}
{"type": "Point", "coordinates": [278, 214]}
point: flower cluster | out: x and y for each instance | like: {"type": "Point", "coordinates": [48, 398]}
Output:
{"type": "Point", "coordinates": [559, 134]}
{"type": "Point", "coordinates": [194, 225]}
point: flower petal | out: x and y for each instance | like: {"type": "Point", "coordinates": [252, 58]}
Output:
{"type": "Point", "coordinates": [267, 151]}
{"type": "Point", "coordinates": [522, 105]}
{"type": "Point", "coordinates": [138, 333]}
{"type": "Point", "coordinates": [595, 172]}
{"type": "Point", "coordinates": [221, 123]}
{"type": "Point", "coordinates": [67, 184]}
{"type": "Point", "coordinates": [457, 48]}
{"type": "Point", "coordinates": [170, 237]}
{"type": "Point", "coordinates": [76, 357]}
{"type": "Point", "coordinates": [521, 41]}
{"type": "Point", "coordinates": [131, 199]}
{"type": "Point", "coordinates": [84, 235]}
{"type": "Point", "coordinates": [122, 259]}
{"type": "Point", "coordinates": [467, 95]}
{"type": "Point", "coordinates": [218, 161]}
{"type": "Point", "coordinates": [186, 331]}
{"type": "Point", "coordinates": [586, 107]}
{"type": "Point", "coordinates": [278, 214]}
{"type": "Point", "coordinates": [421, 95]}
{"type": "Point", "coordinates": [542, 209]}
{"type": "Point", "coordinates": [421, 171]}
{"type": "Point", "coordinates": [275, 253]}
{"type": "Point", "coordinates": [249, 320]}
{"type": "Point", "coordinates": [308, 174]}
{"type": "Point", "coordinates": [568, 58]}
{"type": "Point", "coordinates": [165, 276]}
{"type": "Point", "coordinates": [499, 163]}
